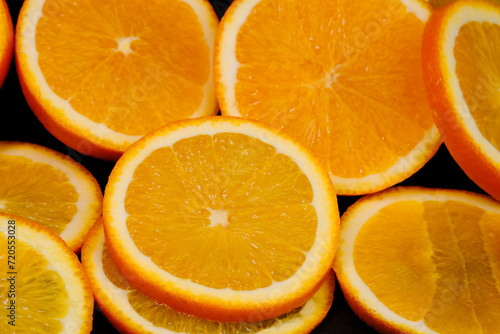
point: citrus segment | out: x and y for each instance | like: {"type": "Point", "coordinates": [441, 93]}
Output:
{"type": "Point", "coordinates": [6, 40]}
{"type": "Point", "coordinates": [339, 77]}
{"type": "Point", "coordinates": [477, 77]}
{"type": "Point", "coordinates": [43, 281]}
{"type": "Point", "coordinates": [421, 261]}
{"type": "Point", "coordinates": [460, 46]}
{"type": "Point", "coordinates": [131, 311]}
{"type": "Point", "coordinates": [249, 232]}
{"type": "Point", "coordinates": [414, 266]}
{"type": "Point", "coordinates": [47, 187]}
{"type": "Point", "coordinates": [90, 71]}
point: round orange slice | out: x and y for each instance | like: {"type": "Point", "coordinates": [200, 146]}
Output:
{"type": "Point", "coordinates": [43, 286]}
{"type": "Point", "coordinates": [221, 218]}
{"type": "Point", "coordinates": [49, 188]}
{"type": "Point", "coordinates": [99, 77]}
{"type": "Point", "coordinates": [460, 52]}
{"type": "Point", "coordinates": [341, 77]}
{"type": "Point", "coordinates": [130, 311]}
{"type": "Point", "coordinates": [417, 260]}
{"type": "Point", "coordinates": [6, 40]}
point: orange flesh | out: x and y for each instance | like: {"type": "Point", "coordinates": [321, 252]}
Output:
{"type": "Point", "coordinates": [124, 62]}
{"type": "Point", "coordinates": [435, 261]}
{"type": "Point", "coordinates": [41, 299]}
{"type": "Point", "coordinates": [339, 76]}
{"type": "Point", "coordinates": [226, 204]}
{"type": "Point", "coordinates": [36, 191]}
{"type": "Point", "coordinates": [476, 52]}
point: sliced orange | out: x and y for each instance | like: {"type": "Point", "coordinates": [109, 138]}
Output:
{"type": "Point", "coordinates": [221, 218]}
{"type": "Point", "coordinates": [49, 188]}
{"type": "Point", "coordinates": [417, 260]}
{"type": "Point", "coordinates": [461, 48]}
{"type": "Point", "coordinates": [43, 288]}
{"type": "Point", "coordinates": [99, 77]}
{"type": "Point", "coordinates": [6, 40]}
{"type": "Point", "coordinates": [342, 77]}
{"type": "Point", "coordinates": [132, 312]}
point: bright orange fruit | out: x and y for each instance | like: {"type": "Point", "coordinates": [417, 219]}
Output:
{"type": "Point", "coordinates": [461, 45]}
{"type": "Point", "coordinates": [221, 218]}
{"type": "Point", "coordinates": [43, 287]}
{"type": "Point", "coordinates": [101, 76]}
{"type": "Point", "coordinates": [49, 188]}
{"type": "Point", "coordinates": [342, 77]}
{"type": "Point", "coordinates": [417, 260]}
{"type": "Point", "coordinates": [6, 40]}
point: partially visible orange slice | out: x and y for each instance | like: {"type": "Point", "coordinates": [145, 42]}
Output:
{"type": "Point", "coordinates": [417, 260]}
{"type": "Point", "coordinates": [49, 188]}
{"type": "Point", "coordinates": [132, 312]}
{"type": "Point", "coordinates": [461, 48]}
{"type": "Point", "coordinates": [6, 40]}
{"type": "Point", "coordinates": [43, 288]}
{"type": "Point", "coordinates": [99, 77]}
{"type": "Point", "coordinates": [221, 218]}
{"type": "Point", "coordinates": [342, 77]}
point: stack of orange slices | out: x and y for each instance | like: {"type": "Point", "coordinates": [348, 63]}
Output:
{"type": "Point", "coordinates": [227, 224]}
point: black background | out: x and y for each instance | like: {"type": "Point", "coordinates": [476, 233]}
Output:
{"type": "Point", "coordinates": [19, 123]}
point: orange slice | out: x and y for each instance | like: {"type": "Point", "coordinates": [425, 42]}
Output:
{"type": "Point", "coordinates": [221, 218]}
{"type": "Point", "coordinates": [43, 288]}
{"type": "Point", "coordinates": [416, 260]}
{"type": "Point", "coordinates": [132, 312]}
{"type": "Point", "coordinates": [100, 77]}
{"type": "Point", "coordinates": [49, 188]}
{"type": "Point", "coordinates": [342, 77]}
{"type": "Point", "coordinates": [461, 48]}
{"type": "Point", "coordinates": [6, 40]}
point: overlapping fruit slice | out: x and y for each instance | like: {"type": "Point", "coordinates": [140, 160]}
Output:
{"type": "Point", "coordinates": [419, 260]}
{"type": "Point", "coordinates": [342, 77]}
{"type": "Point", "coordinates": [130, 311]}
{"type": "Point", "coordinates": [460, 51]}
{"type": "Point", "coordinates": [43, 288]}
{"type": "Point", "coordinates": [101, 76]}
{"type": "Point", "coordinates": [221, 218]}
{"type": "Point", "coordinates": [49, 188]}
{"type": "Point", "coordinates": [6, 40]}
